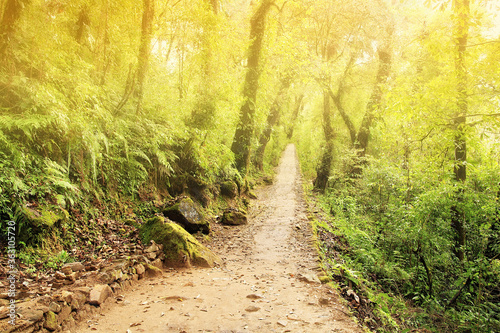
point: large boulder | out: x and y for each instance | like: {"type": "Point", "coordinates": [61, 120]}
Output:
{"type": "Point", "coordinates": [188, 215]}
{"type": "Point", "coordinates": [181, 249]}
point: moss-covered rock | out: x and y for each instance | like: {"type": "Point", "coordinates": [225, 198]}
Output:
{"type": "Point", "coordinates": [234, 217]}
{"type": "Point", "coordinates": [188, 215]}
{"type": "Point", "coordinates": [40, 222]}
{"type": "Point", "coordinates": [229, 189]}
{"type": "Point", "coordinates": [181, 249]}
{"type": "Point", "coordinates": [44, 216]}
{"type": "Point", "coordinates": [50, 321]}
{"type": "Point", "coordinates": [132, 223]}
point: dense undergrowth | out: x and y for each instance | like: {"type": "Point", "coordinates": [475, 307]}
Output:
{"type": "Point", "coordinates": [67, 159]}
{"type": "Point", "coordinates": [390, 249]}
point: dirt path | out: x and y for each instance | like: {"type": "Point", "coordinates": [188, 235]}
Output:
{"type": "Point", "coordinates": [259, 289]}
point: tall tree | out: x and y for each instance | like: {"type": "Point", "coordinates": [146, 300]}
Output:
{"type": "Point", "coordinates": [148, 14]}
{"type": "Point", "coordinates": [461, 9]}
{"type": "Point", "coordinates": [299, 105]}
{"type": "Point", "coordinates": [203, 113]}
{"type": "Point", "coordinates": [241, 145]}
{"type": "Point", "coordinates": [360, 138]}
{"type": "Point", "coordinates": [326, 50]}
{"type": "Point", "coordinates": [272, 119]}
{"type": "Point", "coordinates": [323, 169]}
{"type": "Point", "coordinates": [11, 13]}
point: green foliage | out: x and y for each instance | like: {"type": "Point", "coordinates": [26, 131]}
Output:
{"type": "Point", "coordinates": [37, 259]}
{"type": "Point", "coordinates": [402, 242]}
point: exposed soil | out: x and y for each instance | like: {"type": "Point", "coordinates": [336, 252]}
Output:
{"type": "Point", "coordinates": [268, 281]}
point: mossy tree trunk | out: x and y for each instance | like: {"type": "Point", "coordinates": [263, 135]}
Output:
{"type": "Point", "coordinates": [144, 49]}
{"type": "Point", "coordinates": [374, 104]}
{"type": "Point", "coordinates": [272, 119]}
{"type": "Point", "coordinates": [462, 21]}
{"type": "Point", "coordinates": [11, 13]}
{"type": "Point", "coordinates": [203, 112]}
{"type": "Point", "coordinates": [242, 140]}
{"type": "Point", "coordinates": [360, 138]}
{"type": "Point", "coordinates": [299, 105]}
{"type": "Point", "coordinates": [323, 169]}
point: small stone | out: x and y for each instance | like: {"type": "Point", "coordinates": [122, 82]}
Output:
{"type": "Point", "coordinates": [252, 309]}
{"type": "Point", "coordinates": [158, 263]}
{"type": "Point", "coordinates": [152, 248]}
{"type": "Point", "coordinates": [255, 296]}
{"type": "Point", "coordinates": [152, 271]}
{"type": "Point", "coordinates": [99, 294]}
{"type": "Point", "coordinates": [50, 321]}
{"type": "Point", "coordinates": [74, 266]}
{"type": "Point", "coordinates": [309, 278]}
{"type": "Point", "coordinates": [55, 307]}
{"type": "Point", "coordinates": [66, 270]}
{"type": "Point", "coordinates": [105, 278]}
{"type": "Point", "coordinates": [139, 269]}
{"type": "Point", "coordinates": [282, 323]}
{"type": "Point", "coordinates": [72, 277]}
{"type": "Point", "coordinates": [324, 301]}
{"type": "Point", "coordinates": [66, 296]}
{"type": "Point", "coordinates": [31, 315]}
{"type": "Point", "coordinates": [60, 275]}
{"type": "Point", "coordinates": [83, 290]}
{"type": "Point", "coordinates": [116, 274]}
{"type": "Point", "coordinates": [78, 300]}
{"type": "Point", "coordinates": [64, 314]}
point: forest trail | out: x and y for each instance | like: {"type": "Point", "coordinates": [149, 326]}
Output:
{"type": "Point", "coordinates": [262, 286]}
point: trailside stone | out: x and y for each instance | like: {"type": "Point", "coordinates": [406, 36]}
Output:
{"type": "Point", "coordinates": [31, 315]}
{"type": "Point", "coordinates": [252, 308]}
{"type": "Point", "coordinates": [234, 217]}
{"type": "Point", "coordinates": [152, 271]}
{"type": "Point", "coordinates": [55, 307]}
{"type": "Point", "coordinates": [83, 290]}
{"type": "Point", "coordinates": [74, 266]}
{"type": "Point", "coordinates": [158, 263]}
{"type": "Point", "coordinates": [50, 321]}
{"type": "Point", "coordinates": [64, 314]}
{"type": "Point", "coordinates": [180, 248]}
{"type": "Point", "coordinates": [153, 248]}
{"type": "Point", "coordinates": [99, 294]}
{"type": "Point", "coordinates": [116, 275]}
{"type": "Point", "coordinates": [139, 269]}
{"type": "Point", "coordinates": [188, 215]}
{"type": "Point", "coordinates": [309, 278]}
{"type": "Point", "coordinates": [66, 296]}
{"type": "Point", "coordinates": [66, 270]}
{"type": "Point", "coordinates": [105, 278]}
{"type": "Point", "coordinates": [78, 300]}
